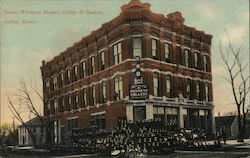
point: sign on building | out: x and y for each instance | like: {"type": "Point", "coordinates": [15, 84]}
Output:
{"type": "Point", "coordinates": [138, 91]}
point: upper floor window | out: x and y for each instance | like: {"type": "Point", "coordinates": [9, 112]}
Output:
{"type": "Point", "coordinates": [197, 90]}
{"type": "Point", "coordinates": [76, 97]}
{"type": "Point", "coordinates": [48, 107]}
{"type": "Point", "coordinates": [196, 60]}
{"type": "Point", "coordinates": [55, 106]}
{"type": "Point", "coordinates": [154, 49]}
{"type": "Point", "coordinates": [75, 72]}
{"type": "Point", "coordinates": [117, 52]}
{"type": "Point", "coordinates": [156, 85]}
{"type": "Point", "coordinates": [168, 86]}
{"type": "Point", "coordinates": [54, 83]}
{"type": "Point", "coordinates": [206, 92]}
{"type": "Point", "coordinates": [205, 63]}
{"type": "Point", "coordinates": [84, 97]}
{"type": "Point", "coordinates": [66, 102]}
{"type": "Point", "coordinates": [70, 101]}
{"type": "Point", "coordinates": [92, 65]}
{"type": "Point", "coordinates": [94, 95]}
{"type": "Point", "coordinates": [118, 88]}
{"type": "Point", "coordinates": [103, 92]}
{"type": "Point", "coordinates": [167, 52]}
{"type": "Point", "coordinates": [61, 104]}
{"type": "Point", "coordinates": [137, 47]}
{"type": "Point", "coordinates": [188, 88]}
{"type": "Point", "coordinates": [102, 59]}
{"type": "Point", "coordinates": [186, 57]}
{"type": "Point", "coordinates": [61, 76]}
{"type": "Point", "coordinates": [47, 85]}
{"type": "Point", "coordinates": [178, 55]}
{"type": "Point", "coordinates": [82, 69]}
{"type": "Point", "coordinates": [68, 76]}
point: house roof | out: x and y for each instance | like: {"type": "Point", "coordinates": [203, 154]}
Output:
{"type": "Point", "coordinates": [33, 122]}
{"type": "Point", "coordinates": [225, 120]}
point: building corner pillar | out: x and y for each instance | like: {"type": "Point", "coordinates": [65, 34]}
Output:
{"type": "Point", "coordinates": [181, 119]}
{"type": "Point", "coordinates": [149, 112]}
{"type": "Point", "coordinates": [129, 112]}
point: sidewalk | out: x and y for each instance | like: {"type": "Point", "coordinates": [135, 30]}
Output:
{"type": "Point", "coordinates": [235, 144]}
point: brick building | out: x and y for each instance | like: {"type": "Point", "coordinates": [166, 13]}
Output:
{"type": "Point", "coordinates": [89, 83]}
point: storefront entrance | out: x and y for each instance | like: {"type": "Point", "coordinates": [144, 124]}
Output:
{"type": "Point", "coordinates": [139, 113]}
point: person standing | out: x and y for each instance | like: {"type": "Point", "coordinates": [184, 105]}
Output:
{"type": "Point", "coordinates": [224, 136]}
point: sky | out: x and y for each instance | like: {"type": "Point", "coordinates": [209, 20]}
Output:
{"type": "Point", "coordinates": [36, 30]}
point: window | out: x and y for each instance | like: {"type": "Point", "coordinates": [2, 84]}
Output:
{"type": "Point", "coordinates": [84, 97]}
{"type": "Point", "coordinates": [171, 116]}
{"type": "Point", "coordinates": [61, 80]}
{"type": "Point", "coordinates": [168, 86]}
{"type": "Point", "coordinates": [93, 94]}
{"type": "Point", "coordinates": [159, 114]}
{"type": "Point", "coordinates": [47, 85]}
{"type": "Point", "coordinates": [103, 92]}
{"type": "Point", "coordinates": [76, 100]}
{"type": "Point", "coordinates": [72, 123]}
{"type": "Point", "coordinates": [154, 49]}
{"type": "Point", "coordinates": [137, 47]}
{"type": "Point", "coordinates": [98, 121]}
{"type": "Point", "coordinates": [61, 104]}
{"type": "Point", "coordinates": [92, 65]}
{"type": "Point", "coordinates": [54, 83]}
{"type": "Point", "coordinates": [55, 131]}
{"type": "Point", "coordinates": [48, 108]}
{"type": "Point", "coordinates": [66, 102]}
{"type": "Point", "coordinates": [196, 60]}
{"type": "Point", "coordinates": [102, 63]}
{"type": "Point", "coordinates": [83, 68]}
{"type": "Point", "coordinates": [69, 102]}
{"type": "Point", "coordinates": [197, 90]}
{"type": "Point", "coordinates": [55, 106]}
{"type": "Point", "coordinates": [68, 76]}
{"type": "Point", "coordinates": [117, 52]}
{"type": "Point", "coordinates": [167, 52]}
{"type": "Point", "coordinates": [178, 55]}
{"type": "Point", "coordinates": [155, 84]}
{"type": "Point", "coordinates": [189, 59]}
{"type": "Point", "coordinates": [118, 88]}
{"type": "Point", "coordinates": [188, 89]}
{"type": "Point", "coordinates": [186, 57]}
{"type": "Point", "coordinates": [75, 72]}
{"type": "Point", "coordinates": [205, 63]}
{"type": "Point", "coordinates": [206, 92]}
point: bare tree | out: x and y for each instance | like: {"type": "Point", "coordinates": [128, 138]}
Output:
{"type": "Point", "coordinates": [234, 60]}
{"type": "Point", "coordinates": [25, 101]}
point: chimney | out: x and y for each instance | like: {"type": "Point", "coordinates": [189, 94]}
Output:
{"type": "Point", "coordinates": [43, 62]}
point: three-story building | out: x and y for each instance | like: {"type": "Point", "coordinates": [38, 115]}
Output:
{"type": "Point", "coordinates": [89, 83]}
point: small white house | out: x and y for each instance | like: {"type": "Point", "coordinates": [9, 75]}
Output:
{"type": "Point", "coordinates": [24, 138]}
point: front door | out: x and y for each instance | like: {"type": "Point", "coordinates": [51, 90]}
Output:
{"type": "Point", "coordinates": [139, 113]}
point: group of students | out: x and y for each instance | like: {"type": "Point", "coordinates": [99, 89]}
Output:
{"type": "Point", "coordinates": [149, 137]}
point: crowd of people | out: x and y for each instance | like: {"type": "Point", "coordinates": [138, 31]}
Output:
{"type": "Point", "coordinates": [144, 137]}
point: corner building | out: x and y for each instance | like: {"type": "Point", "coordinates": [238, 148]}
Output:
{"type": "Point", "coordinates": [89, 83]}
